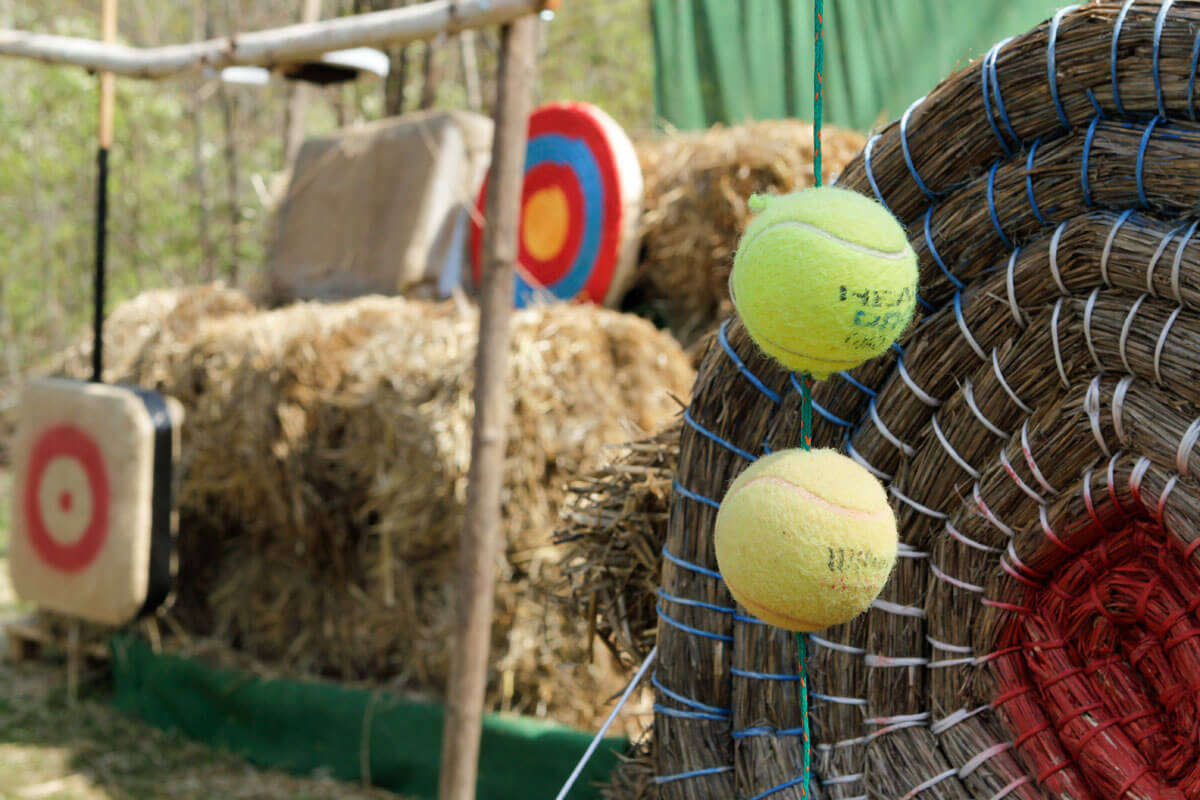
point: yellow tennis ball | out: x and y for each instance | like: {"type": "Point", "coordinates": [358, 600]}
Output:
{"type": "Point", "coordinates": [823, 279]}
{"type": "Point", "coordinates": [805, 539]}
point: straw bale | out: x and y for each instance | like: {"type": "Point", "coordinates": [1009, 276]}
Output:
{"type": "Point", "coordinates": [696, 187]}
{"type": "Point", "coordinates": [633, 777]}
{"type": "Point", "coordinates": [135, 327]}
{"type": "Point", "coordinates": [613, 526]}
{"type": "Point", "coordinates": [1037, 430]}
{"type": "Point", "coordinates": [325, 459]}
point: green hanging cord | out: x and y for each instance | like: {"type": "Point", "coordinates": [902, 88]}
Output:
{"type": "Point", "coordinates": [806, 380]}
{"type": "Point", "coordinates": [802, 650]}
{"type": "Point", "coordinates": [818, 67]}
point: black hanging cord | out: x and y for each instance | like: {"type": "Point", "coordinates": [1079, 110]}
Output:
{"type": "Point", "coordinates": [101, 238]}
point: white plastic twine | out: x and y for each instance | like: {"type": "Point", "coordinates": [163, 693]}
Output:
{"type": "Point", "coordinates": [587, 754]}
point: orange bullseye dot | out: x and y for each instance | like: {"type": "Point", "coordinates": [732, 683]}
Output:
{"type": "Point", "coordinates": [544, 223]}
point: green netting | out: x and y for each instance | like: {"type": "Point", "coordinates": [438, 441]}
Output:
{"type": "Point", "coordinates": [733, 60]}
{"type": "Point", "coordinates": [307, 727]}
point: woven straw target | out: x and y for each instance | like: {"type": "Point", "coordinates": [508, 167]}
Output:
{"type": "Point", "coordinates": [1037, 431]}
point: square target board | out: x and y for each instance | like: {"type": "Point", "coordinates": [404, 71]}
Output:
{"type": "Point", "coordinates": [93, 533]}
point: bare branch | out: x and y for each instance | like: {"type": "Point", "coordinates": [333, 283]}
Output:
{"type": "Point", "coordinates": [270, 48]}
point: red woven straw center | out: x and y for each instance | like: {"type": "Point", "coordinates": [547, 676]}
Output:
{"type": "Point", "coordinates": [1098, 679]}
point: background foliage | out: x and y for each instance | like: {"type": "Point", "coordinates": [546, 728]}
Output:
{"type": "Point", "coordinates": [195, 161]}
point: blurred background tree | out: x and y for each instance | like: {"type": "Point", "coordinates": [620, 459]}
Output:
{"type": "Point", "coordinates": [196, 162]}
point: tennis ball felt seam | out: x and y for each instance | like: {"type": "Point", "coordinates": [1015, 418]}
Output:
{"type": "Point", "coordinates": [893, 255]}
{"type": "Point", "coordinates": [812, 497]}
{"type": "Point", "coordinates": [833, 365]}
{"type": "Point", "coordinates": [855, 216]}
{"type": "Point", "coordinates": [765, 612]}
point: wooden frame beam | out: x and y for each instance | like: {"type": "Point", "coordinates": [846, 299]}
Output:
{"type": "Point", "coordinates": [274, 47]}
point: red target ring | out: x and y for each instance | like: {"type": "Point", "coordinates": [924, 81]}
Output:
{"type": "Point", "coordinates": [544, 177]}
{"type": "Point", "coordinates": [74, 444]}
{"type": "Point", "coordinates": [582, 193]}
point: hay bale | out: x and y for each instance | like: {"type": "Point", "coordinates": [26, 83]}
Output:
{"type": "Point", "coordinates": [326, 455]}
{"type": "Point", "coordinates": [131, 333]}
{"type": "Point", "coordinates": [696, 187]}
{"type": "Point", "coordinates": [613, 526]}
{"type": "Point", "coordinates": [135, 327]}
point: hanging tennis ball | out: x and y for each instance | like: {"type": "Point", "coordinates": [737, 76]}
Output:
{"type": "Point", "coordinates": [805, 539]}
{"type": "Point", "coordinates": [823, 279]}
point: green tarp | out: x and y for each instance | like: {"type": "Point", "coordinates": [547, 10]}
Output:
{"type": "Point", "coordinates": [733, 60]}
{"type": "Point", "coordinates": [306, 727]}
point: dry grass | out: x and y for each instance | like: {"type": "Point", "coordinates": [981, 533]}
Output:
{"type": "Point", "coordinates": [50, 750]}
{"type": "Point", "coordinates": [613, 527]}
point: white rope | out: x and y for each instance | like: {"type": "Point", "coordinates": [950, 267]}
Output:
{"type": "Point", "coordinates": [1108, 243]}
{"type": "Point", "coordinates": [1125, 331]}
{"type": "Point", "coordinates": [1087, 327]}
{"type": "Point", "coordinates": [1187, 237]}
{"type": "Point", "coordinates": [1091, 406]}
{"type": "Point", "coordinates": [1058, 281]}
{"type": "Point", "coordinates": [587, 754]}
{"type": "Point", "coordinates": [968, 393]}
{"type": "Point", "coordinates": [1004, 384]}
{"type": "Point", "coordinates": [1162, 246]}
{"type": "Point", "coordinates": [1058, 359]}
{"type": "Point", "coordinates": [1162, 341]}
{"type": "Point", "coordinates": [1033, 467]}
{"type": "Point", "coordinates": [1010, 282]}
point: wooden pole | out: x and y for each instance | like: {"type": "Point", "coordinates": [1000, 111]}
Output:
{"type": "Point", "coordinates": [470, 65]}
{"type": "Point", "coordinates": [297, 109]}
{"type": "Point", "coordinates": [274, 47]}
{"type": "Point", "coordinates": [108, 35]}
{"type": "Point", "coordinates": [104, 135]}
{"type": "Point", "coordinates": [479, 545]}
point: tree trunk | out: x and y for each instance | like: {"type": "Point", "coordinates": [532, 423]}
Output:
{"type": "Point", "coordinates": [12, 355]}
{"type": "Point", "coordinates": [297, 107]}
{"type": "Point", "coordinates": [200, 28]}
{"type": "Point", "coordinates": [430, 80]}
{"type": "Point", "coordinates": [229, 117]}
{"type": "Point", "coordinates": [470, 68]}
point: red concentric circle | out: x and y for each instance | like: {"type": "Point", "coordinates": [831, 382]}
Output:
{"type": "Point", "coordinates": [75, 444]}
{"type": "Point", "coordinates": [1098, 674]}
{"type": "Point", "coordinates": [554, 177]}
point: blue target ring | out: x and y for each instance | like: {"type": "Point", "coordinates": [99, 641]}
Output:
{"type": "Point", "coordinates": [579, 199]}
{"type": "Point", "coordinates": [554, 148]}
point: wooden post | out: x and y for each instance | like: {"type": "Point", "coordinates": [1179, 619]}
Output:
{"type": "Point", "coordinates": [108, 34]}
{"type": "Point", "coordinates": [470, 67]}
{"type": "Point", "coordinates": [297, 108]}
{"type": "Point", "coordinates": [479, 545]}
{"type": "Point", "coordinates": [104, 134]}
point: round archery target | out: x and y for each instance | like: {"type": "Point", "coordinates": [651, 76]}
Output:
{"type": "Point", "coordinates": [66, 498]}
{"type": "Point", "coordinates": [580, 200]}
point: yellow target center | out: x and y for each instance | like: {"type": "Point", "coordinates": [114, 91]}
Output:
{"type": "Point", "coordinates": [544, 223]}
